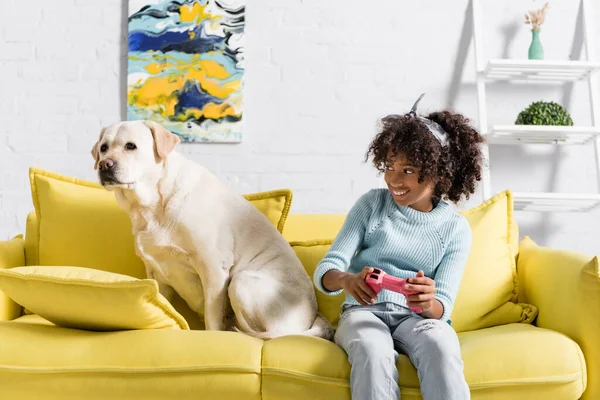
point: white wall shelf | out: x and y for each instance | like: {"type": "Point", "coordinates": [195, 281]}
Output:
{"type": "Point", "coordinates": [540, 70]}
{"type": "Point", "coordinates": [563, 202]}
{"type": "Point", "coordinates": [531, 72]}
{"type": "Point", "coordinates": [542, 134]}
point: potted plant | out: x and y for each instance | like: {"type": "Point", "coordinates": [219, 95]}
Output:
{"type": "Point", "coordinates": [544, 113]}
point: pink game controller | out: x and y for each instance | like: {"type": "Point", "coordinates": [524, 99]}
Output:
{"type": "Point", "coordinates": [378, 280]}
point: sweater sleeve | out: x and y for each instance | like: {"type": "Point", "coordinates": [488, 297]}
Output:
{"type": "Point", "coordinates": [347, 241]}
{"type": "Point", "coordinates": [449, 272]}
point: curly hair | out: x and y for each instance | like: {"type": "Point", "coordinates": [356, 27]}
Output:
{"type": "Point", "coordinates": [454, 169]}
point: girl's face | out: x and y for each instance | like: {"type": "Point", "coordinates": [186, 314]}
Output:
{"type": "Point", "coordinates": [402, 180]}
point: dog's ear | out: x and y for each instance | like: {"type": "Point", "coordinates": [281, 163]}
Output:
{"type": "Point", "coordinates": [95, 152]}
{"type": "Point", "coordinates": [164, 139]}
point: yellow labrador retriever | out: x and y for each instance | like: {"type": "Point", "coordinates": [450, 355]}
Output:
{"type": "Point", "coordinates": [202, 240]}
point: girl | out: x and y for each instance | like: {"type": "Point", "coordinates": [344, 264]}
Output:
{"type": "Point", "coordinates": [408, 230]}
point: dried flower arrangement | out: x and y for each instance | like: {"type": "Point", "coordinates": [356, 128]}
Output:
{"type": "Point", "coordinates": [536, 18]}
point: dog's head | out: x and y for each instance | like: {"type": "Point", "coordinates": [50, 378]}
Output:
{"type": "Point", "coordinates": [129, 152]}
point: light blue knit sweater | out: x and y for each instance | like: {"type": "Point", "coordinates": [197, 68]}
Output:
{"type": "Point", "coordinates": [401, 241]}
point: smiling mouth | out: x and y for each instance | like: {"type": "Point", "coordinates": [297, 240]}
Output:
{"type": "Point", "coordinates": [399, 192]}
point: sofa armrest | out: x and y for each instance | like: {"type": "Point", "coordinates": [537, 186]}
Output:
{"type": "Point", "coordinates": [12, 254]}
{"type": "Point", "coordinates": [565, 286]}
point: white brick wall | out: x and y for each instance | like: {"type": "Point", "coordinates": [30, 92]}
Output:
{"type": "Point", "coordinates": [318, 77]}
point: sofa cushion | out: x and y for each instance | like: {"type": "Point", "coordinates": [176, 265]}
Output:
{"type": "Point", "coordinates": [307, 227]}
{"type": "Point", "coordinates": [505, 362]}
{"type": "Point", "coordinates": [39, 360]}
{"type": "Point", "coordinates": [72, 214]}
{"type": "Point", "coordinates": [84, 298]}
{"type": "Point", "coordinates": [489, 290]}
{"type": "Point", "coordinates": [310, 254]}
{"type": "Point", "coordinates": [274, 204]}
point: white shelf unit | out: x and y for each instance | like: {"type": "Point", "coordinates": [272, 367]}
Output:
{"type": "Point", "coordinates": [569, 202]}
{"type": "Point", "coordinates": [540, 70]}
{"type": "Point", "coordinates": [533, 72]}
{"type": "Point", "coordinates": [535, 134]}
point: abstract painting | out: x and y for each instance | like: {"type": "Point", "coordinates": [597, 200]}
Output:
{"type": "Point", "coordinates": [185, 67]}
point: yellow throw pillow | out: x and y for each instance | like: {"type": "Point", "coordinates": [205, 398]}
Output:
{"type": "Point", "coordinates": [274, 204]}
{"type": "Point", "coordinates": [83, 298]}
{"type": "Point", "coordinates": [310, 254]}
{"type": "Point", "coordinates": [489, 289]}
{"type": "Point", "coordinates": [79, 223]}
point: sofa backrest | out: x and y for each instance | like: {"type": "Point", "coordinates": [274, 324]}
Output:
{"type": "Point", "coordinates": [78, 223]}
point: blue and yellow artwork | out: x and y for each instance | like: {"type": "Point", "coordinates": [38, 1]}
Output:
{"type": "Point", "coordinates": [185, 67]}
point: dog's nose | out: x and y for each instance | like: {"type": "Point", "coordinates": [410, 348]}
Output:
{"type": "Point", "coordinates": [107, 164]}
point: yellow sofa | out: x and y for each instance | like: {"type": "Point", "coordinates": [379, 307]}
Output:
{"type": "Point", "coordinates": [528, 317]}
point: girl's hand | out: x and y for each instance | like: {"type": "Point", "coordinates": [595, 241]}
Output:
{"type": "Point", "coordinates": [425, 299]}
{"type": "Point", "coordinates": [357, 287]}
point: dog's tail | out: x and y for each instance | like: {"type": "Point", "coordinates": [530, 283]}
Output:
{"type": "Point", "coordinates": [320, 328]}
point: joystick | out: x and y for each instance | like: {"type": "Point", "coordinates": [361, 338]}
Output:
{"type": "Point", "coordinates": [379, 279]}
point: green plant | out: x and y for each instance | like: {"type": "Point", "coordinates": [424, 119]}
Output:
{"type": "Point", "coordinates": [544, 113]}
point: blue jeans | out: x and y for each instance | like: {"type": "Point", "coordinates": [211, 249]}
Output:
{"type": "Point", "coordinates": [372, 336]}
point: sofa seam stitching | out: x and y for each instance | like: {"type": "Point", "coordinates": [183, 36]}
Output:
{"type": "Point", "coordinates": [135, 370]}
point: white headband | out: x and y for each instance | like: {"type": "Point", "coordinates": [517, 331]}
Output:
{"type": "Point", "coordinates": [436, 130]}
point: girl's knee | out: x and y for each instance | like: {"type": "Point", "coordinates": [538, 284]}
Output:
{"type": "Point", "coordinates": [438, 338]}
{"type": "Point", "coordinates": [436, 329]}
{"type": "Point", "coordinates": [363, 351]}
{"type": "Point", "coordinates": [434, 326]}
{"type": "Point", "coordinates": [442, 352]}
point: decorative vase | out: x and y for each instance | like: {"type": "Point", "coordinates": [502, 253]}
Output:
{"type": "Point", "coordinates": [536, 51]}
